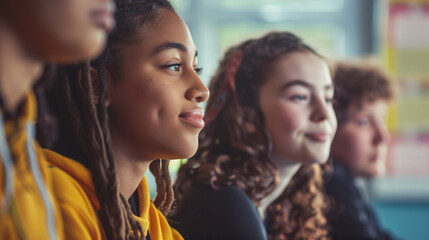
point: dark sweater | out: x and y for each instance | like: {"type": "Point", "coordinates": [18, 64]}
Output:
{"type": "Point", "coordinates": [225, 213]}
{"type": "Point", "coordinates": [351, 215]}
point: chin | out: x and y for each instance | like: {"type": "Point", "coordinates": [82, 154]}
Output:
{"type": "Point", "coordinates": [378, 173]}
{"type": "Point", "coordinates": [97, 48]}
{"type": "Point", "coordinates": [320, 158]}
{"type": "Point", "coordinates": [371, 173]}
{"type": "Point", "coordinates": [186, 152]}
{"type": "Point", "coordinates": [191, 153]}
{"type": "Point", "coordinates": [90, 49]}
{"type": "Point", "coordinates": [314, 160]}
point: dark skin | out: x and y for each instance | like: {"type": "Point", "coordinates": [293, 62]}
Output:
{"type": "Point", "coordinates": [154, 107]}
{"type": "Point", "coordinates": [35, 32]}
{"type": "Point", "coordinates": [18, 70]}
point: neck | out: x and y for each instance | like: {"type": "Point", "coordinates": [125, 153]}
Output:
{"type": "Point", "coordinates": [130, 171]}
{"type": "Point", "coordinates": [286, 169]}
{"type": "Point", "coordinates": [18, 70]}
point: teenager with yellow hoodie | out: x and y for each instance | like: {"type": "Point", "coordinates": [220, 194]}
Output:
{"type": "Point", "coordinates": [34, 32]}
{"type": "Point", "coordinates": [135, 105]}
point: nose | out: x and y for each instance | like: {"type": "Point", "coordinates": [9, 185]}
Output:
{"type": "Point", "coordinates": [197, 91]}
{"type": "Point", "coordinates": [321, 111]}
{"type": "Point", "coordinates": [381, 135]}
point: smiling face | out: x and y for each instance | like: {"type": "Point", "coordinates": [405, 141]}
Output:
{"type": "Point", "coordinates": [362, 139]}
{"type": "Point", "coordinates": [154, 106]}
{"type": "Point", "coordinates": [61, 30]}
{"type": "Point", "coordinates": [296, 101]}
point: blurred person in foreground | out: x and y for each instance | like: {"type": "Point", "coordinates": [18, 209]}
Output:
{"type": "Point", "coordinates": [34, 33]}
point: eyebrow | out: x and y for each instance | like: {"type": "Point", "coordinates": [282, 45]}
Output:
{"type": "Point", "coordinates": [304, 84]}
{"type": "Point", "coordinates": [173, 45]}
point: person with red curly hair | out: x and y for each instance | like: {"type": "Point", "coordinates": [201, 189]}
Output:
{"type": "Point", "coordinates": [359, 148]}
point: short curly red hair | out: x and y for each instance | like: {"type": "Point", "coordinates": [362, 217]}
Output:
{"type": "Point", "coordinates": [359, 82]}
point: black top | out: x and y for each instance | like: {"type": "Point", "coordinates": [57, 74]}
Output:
{"type": "Point", "coordinates": [224, 213]}
{"type": "Point", "coordinates": [351, 216]}
{"type": "Point", "coordinates": [134, 203]}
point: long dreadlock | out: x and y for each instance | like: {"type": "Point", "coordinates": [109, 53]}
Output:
{"type": "Point", "coordinates": [87, 122]}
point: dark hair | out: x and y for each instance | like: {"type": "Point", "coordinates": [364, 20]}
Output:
{"type": "Point", "coordinates": [358, 82]}
{"type": "Point", "coordinates": [85, 123]}
{"type": "Point", "coordinates": [235, 147]}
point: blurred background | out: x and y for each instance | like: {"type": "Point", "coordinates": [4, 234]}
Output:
{"type": "Point", "coordinates": [396, 32]}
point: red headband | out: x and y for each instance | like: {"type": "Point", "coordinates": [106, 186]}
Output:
{"type": "Point", "coordinates": [227, 87]}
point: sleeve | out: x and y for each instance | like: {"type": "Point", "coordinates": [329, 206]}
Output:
{"type": "Point", "coordinates": [79, 216]}
{"type": "Point", "coordinates": [226, 214]}
{"type": "Point", "coordinates": [351, 218]}
{"type": "Point", "coordinates": [77, 225]}
{"type": "Point", "coordinates": [159, 227]}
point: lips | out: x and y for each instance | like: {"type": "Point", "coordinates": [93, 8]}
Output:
{"type": "Point", "coordinates": [193, 117]}
{"type": "Point", "coordinates": [102, 16]}
{"type": "Point", "coordinates": [318, 136]}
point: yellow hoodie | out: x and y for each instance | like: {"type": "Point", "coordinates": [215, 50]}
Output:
{"type": "Point", "coordinates": [74, 191]}
{"type": "Point", "coordinates": [26, 207]}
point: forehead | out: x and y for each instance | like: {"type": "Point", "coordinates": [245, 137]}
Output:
{"type": "Point", "coordinates": [304, 66]}
{"type": "Point", "coordinates": [375, 107]}
{"type": "Point", "coordinates": [167, 26]}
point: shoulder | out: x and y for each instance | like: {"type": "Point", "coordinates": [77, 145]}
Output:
{"type": "Point", "coordinates": [224, 213]}
{"type": "Point", "coordinates": [230, 199]}
{"type": "Point", "coordinates": [159, 227]}
{"type": "Point", "coordinates": [231, 194]}
{"type": "Point", "coordinates": [71, 180]}
{"type": "Point", "coordinates": [77, 202]}
{"type": "Point", "coordinates": [339, 184]}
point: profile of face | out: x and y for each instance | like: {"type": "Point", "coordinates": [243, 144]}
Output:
{"type": "Point", "coordinates": [361, 141]}
{"type": "Point", "coordinates": [296, 101]}
{"type": "Point", "coordinates": [61, 30]}
{"type": "Point", "coordinates": [154, 106]}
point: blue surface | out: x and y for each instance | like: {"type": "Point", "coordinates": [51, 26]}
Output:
{"type": "Point", "coordinates": [408, 221]}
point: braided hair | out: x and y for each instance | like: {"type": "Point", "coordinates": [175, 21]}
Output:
{"type": "Point", "coordinates": [85, 122]}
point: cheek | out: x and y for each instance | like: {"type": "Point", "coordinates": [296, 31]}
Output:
{"type": "Point", "coordinates": [357, 144]}
{"type": "Point", "coordinates": [71, 29]}
{"type": "Point", "coordinates": [148, 106]}
{"type": "Point", "coordinates": [129, 98]}
{"type": "Point", "coordinates": [343, 145]}
{"type": "Point", "coordinates": [283, 123]}
{"type": "Point", "coordinates": [333, 121]}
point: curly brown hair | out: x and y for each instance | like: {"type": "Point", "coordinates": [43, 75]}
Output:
{"type": "Point", "coordinates": [235, 147]}
{"type": "Point", "coordinates": [357, 82]}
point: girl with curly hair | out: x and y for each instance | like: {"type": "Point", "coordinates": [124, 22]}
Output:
{"type": "Point", "coordinates": [132, 109]}
{"type": "Point", "coordinates": [269, 126]}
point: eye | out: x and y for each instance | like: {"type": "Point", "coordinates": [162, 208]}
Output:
{"type": "Point", "coordinates": [299, 98]}
{"type": "Point", "coordinates": [198, 70]}
{"type": "Point", "coordinates": [362, 122]}
{"type": "Point", "coordinates": [173, 67]}
{"type": "Point", "coordinates": [329, 100]}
